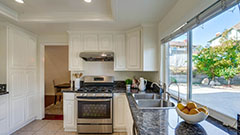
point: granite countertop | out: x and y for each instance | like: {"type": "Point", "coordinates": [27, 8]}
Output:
{"type": "Point", "coordinates": [3, 93]}
{"type": "Point", "coordinates": [167, 122]}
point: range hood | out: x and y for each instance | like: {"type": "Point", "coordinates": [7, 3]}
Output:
{"type": "Point", "coordinates": [97, 56]}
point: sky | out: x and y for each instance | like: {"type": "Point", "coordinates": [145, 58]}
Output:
{"type": "Point", "coordinates": [207, 31]}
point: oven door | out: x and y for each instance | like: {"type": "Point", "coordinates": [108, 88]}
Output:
{"type": "Point", "coordinates": [94, 110]}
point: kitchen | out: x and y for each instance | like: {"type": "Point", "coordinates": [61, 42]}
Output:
{"type": "Point", "coordinates": [118, 64]}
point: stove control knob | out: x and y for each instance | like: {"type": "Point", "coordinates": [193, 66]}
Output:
{"type": "Point", "coordinates": [94, 95]}
{"type": "Point", "coordinates": [103, 94]}
{"type": "Point", "coordinates": [81, 94]}
{"type": "Point", "coordinates": [85, 94]}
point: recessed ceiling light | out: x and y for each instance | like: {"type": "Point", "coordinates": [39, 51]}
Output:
{"type": "Point", "coordinates": [19, 1]}
{"type": "Point", "coordinates": [88, 1]}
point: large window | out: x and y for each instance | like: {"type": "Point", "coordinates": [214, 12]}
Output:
{"type": "Point", "coordinates": [215, 63]}
{"type": "Point", "coordinates": [216, 59]}
{"type": "Point", "coordinates": [178, 65]}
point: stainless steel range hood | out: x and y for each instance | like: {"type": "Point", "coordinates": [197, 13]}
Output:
{"type": "Point", "coordinates": [97, 56]}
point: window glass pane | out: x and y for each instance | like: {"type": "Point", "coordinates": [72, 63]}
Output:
{"type": "Point", "coordinates": [178, 65]}
{"type": "Point", "coordinates": [216, 59]}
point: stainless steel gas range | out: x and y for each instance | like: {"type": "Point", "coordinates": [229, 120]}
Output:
{"type": "Point", "coordinates": [95, 105]}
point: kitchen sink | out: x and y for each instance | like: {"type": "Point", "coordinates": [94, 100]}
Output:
{"type": "Point", "coordinates": [151, 101]}
{"type": "Point", "coordinates": [145, 96]}
{"type": "Point", "coordinates": [154, 104]}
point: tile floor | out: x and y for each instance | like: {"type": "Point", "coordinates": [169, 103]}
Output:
{"type": "Point", "coordinates": [47, 127]}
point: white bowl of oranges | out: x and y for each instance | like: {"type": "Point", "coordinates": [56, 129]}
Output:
{"type": "Point", "coordinates": [191, 113]}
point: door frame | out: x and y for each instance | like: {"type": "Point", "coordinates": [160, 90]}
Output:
{"type": "Point", "coordinates": [41, 74]}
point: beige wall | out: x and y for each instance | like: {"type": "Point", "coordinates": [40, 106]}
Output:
{"type": "Point", "coordinates": [56, 67]}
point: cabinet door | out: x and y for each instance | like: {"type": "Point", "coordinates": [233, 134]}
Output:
{"type": "Point", "coordinates": [134, 51]}
{"type": "Point", "coordinates": [31, 56]}
{"type": "Point", "coordinates": [69, 115]}
{"type": "Point", "coordinates": [3, 114]}
{"type": "Point", "coordinates": [18, 46]}
{"type": "Point", "coordinates": [120, 52]}
{"type": "Point", "coordinates": [90, 42]}
{"type": "Point", "coordinates": [105, 42]}
{"type": "Point", "coordinates": [119, 112]}
{"type": "Point", "coordinates": [75, 47]}
{"type": "Point", "coordinates": [129, 119]}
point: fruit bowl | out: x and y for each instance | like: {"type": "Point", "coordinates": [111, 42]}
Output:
{"type": "Point", "coordinates": [192, 118]}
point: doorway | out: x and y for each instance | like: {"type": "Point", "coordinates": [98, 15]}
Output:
{"type": "Point", "coordinates": [56, 79]}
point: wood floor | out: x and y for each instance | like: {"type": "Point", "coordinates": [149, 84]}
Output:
{"type": "Point", "coordinates": [47, 127]}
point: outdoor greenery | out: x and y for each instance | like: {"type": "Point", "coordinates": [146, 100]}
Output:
{"type": "Point", "coordinates": [222, 60]}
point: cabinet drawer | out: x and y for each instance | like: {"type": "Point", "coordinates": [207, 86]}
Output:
{"type": "Point", "coordinates": [69, 96]}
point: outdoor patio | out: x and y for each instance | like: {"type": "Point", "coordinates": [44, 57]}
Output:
{"type": "Point", "coordinates": [220, 98]}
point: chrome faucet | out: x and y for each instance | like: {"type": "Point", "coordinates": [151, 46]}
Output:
{"type": "Point", "coordinates": [178, 98]}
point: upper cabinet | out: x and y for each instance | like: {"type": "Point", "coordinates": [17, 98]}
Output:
{"type": "Point", "coordinates": [105, 42]}
{"type": "Point", "coordinates": [22, 49]}
{"type": "Point", "coordinates": [142, 49]}
{"type": "Point", "coordinates": [75, 47]}
{"type": "Point", "coordinates": [90, 42]}
{"type": "Point", "coordinates": [134, 51]}
{"type": "Point", "coordinates": [119, 42]}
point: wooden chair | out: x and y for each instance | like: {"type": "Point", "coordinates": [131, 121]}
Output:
{"type": "Point", "coordinates": [57, 93]}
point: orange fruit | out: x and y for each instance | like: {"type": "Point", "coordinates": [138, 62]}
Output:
{"type": "Point", "coordinates": [191, 105]}
{"type": "Point", "coordinates": [180, 106]}
{"type": "Point", "coordinates": [193, 111]}
{"type": "Point", "coordinates": [185, 110]}
{"type": "Point", "coordinates": [203, 109]}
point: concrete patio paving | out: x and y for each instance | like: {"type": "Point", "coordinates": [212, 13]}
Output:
{"type": "Point", "coordinates": [222, 99]}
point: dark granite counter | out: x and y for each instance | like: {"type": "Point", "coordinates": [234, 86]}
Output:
{"type": "Point", "coordinates": [167, 122]}
{"type": "Point", "coordinates": [3, 93]}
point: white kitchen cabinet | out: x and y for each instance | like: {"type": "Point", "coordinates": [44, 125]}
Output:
{"type": "Point", "coordinates": [69, 111]}
{"type": "Point", "coordinates": [119, 102]}
{"type": "Point", "coordinates": [128, 118]}
{"type": "Point", "coordinates": [142, 49]}
{"type": "Point", "coordinates": [4, 115]}
{"type": "Point", "coordinates": [134, 51]}
{"type": "Point", "coordinates": [90, 42]}
{"type": "Point", "coordinates": [119, 42]}
{"type": "Point", "coordinates": [105, 42]}
{"type": "Point", "coordinates": [75, 48]}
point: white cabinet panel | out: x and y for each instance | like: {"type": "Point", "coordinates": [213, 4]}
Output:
{"type": "Point", "coordinates": [3, 114]}
{"type": "Point", "coordinates": [31, 53]}
{"type": "Point", "coordinates": [134, 51]}
{"type": "Point", "coordinates": [17, 112]}
{"type": "Point", "coordinates": [17, 48]}
{"type": "Point", "coordinates": [31, 81]}
{"type": "Point", "coordinates": [129, 119]}
{"type": "Point", "coordinates": [90, 42]}
{"type": "Point", "coordinates": [120, 52]}
{"type": "Point", "coordinates": [119, 112]}
{"type": "Point", "coordinates": [30, 107]}
{"type": "Point", "coordinates": [105, 42]}
{"type": "Point", "coordinates": [17, 83]}
{"type": "Point", "coordinates": [75, 47]}
{"type": "Point", "coordinates": [69, 111]}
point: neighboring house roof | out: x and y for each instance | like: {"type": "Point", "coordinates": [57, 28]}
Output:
{"type": "Point", "coordinates": [236, 27]}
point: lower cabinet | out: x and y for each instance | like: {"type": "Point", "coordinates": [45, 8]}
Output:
{"type": "Point", "coordinates": [69, 112]}
{"type": "Point", "coordinates": [119, 113]}
{"type": "Point", "coordinates": [123, 121]}
{"type": "Point", "coordinates": [4, 115]}
{"type": "Point", "coordinates": [129, 119]}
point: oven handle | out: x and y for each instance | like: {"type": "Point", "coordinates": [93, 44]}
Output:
{"type": "Point", "coordinates": [79, 99]}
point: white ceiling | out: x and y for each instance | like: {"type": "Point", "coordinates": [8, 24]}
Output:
{"type": "Point", "coordinates": [59, 16]}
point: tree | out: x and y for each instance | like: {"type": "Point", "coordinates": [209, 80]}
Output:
{"type": "Point", "coordinates": [205, 62]}
{"type": "Point", "coordinates": [222, 60]}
